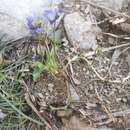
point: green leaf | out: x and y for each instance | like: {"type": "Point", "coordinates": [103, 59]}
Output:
{"type": "Point", "coordinates": [2, 77]}
{"type": "Point", "coordinates": [38, 68]}
{"type": "Point", "coordinates": [51, 62]}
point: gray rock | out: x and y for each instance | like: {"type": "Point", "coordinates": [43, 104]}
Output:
{"type": "Point", "coordinates": [12, 28]}
{"type": "Point", "coordinates": [81, 32]}
{"type": "Point", "coordinates": [73, 94]}
{"type": "Point", "coordinates": [113, 4]}
{"type": "Point", "coordinates": [13, 15]}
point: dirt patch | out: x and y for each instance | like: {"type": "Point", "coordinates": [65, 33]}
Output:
{"type": "Point", "coordinates": [100, 78]}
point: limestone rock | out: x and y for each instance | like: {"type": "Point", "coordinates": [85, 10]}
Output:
{"type": "Point", "coordinates": [13, 15]}
{"type": "Point", "coordinates": [73, 94]}
{"type": "Point", "coordinates": [12, 28]}
{"type": "Point", "coordinates": [81, 32]}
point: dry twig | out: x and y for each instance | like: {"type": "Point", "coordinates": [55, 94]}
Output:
{"type": "Point", "coordinates": [107, 9]}
{"type": "Point", "coordinates": [107, 110]}
{"type": "Point", "coordinates": [29, 102]}
{"type": "Point", "coordinates": [115, 114]}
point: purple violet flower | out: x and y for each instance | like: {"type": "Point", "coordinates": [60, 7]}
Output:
{"type": "Point", "coordinates": [34, 24]}
{"type": "Point", "coordinates": [50, 15]}
{"type": "Point", "coordinates": [61, 11]}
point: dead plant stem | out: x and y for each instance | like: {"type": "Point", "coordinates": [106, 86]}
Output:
{"type": "Point", "coordinates": [105, 8]}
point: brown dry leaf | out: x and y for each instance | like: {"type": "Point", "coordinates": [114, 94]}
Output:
{"type": "Point", "coordinates": [3, 61]}
{"type": "Point", "coordinates": [41, 49]}
{"type": "Point", "coordinates": [74, 123]}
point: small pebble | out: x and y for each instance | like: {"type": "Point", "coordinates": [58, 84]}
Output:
{"type": "Point", "coordinates": [124, 100]}
{"type": "Point", "coordinates": [91, 105]}
{"type": "Point", "coordinates": [77, 6]}
{"type": "Point", "coordinates": [72, 49]}
{"type": "Point", "coordinates": [66, 50]}
{"type": "Point", "coordinates": [65, 41]}
{"type": "Point", "coordinates": [118, 99]}
{"type": "Point", "coordinates": [91, 88]}
{"type": "Point", "coordinates": [105, 91]}
{"type": "Point", "coordinates": [76, 74]}
{"type": "Point", "coordinates": [76, 81]}
{"type": "Point", "coordinates": [50, 87]}
{"type": "Point", "coordinates": [120, 91]}
{"type": "Point", "coordinates": [40, 95]}
{"type": "Point", "coordinates": [84, 69]}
